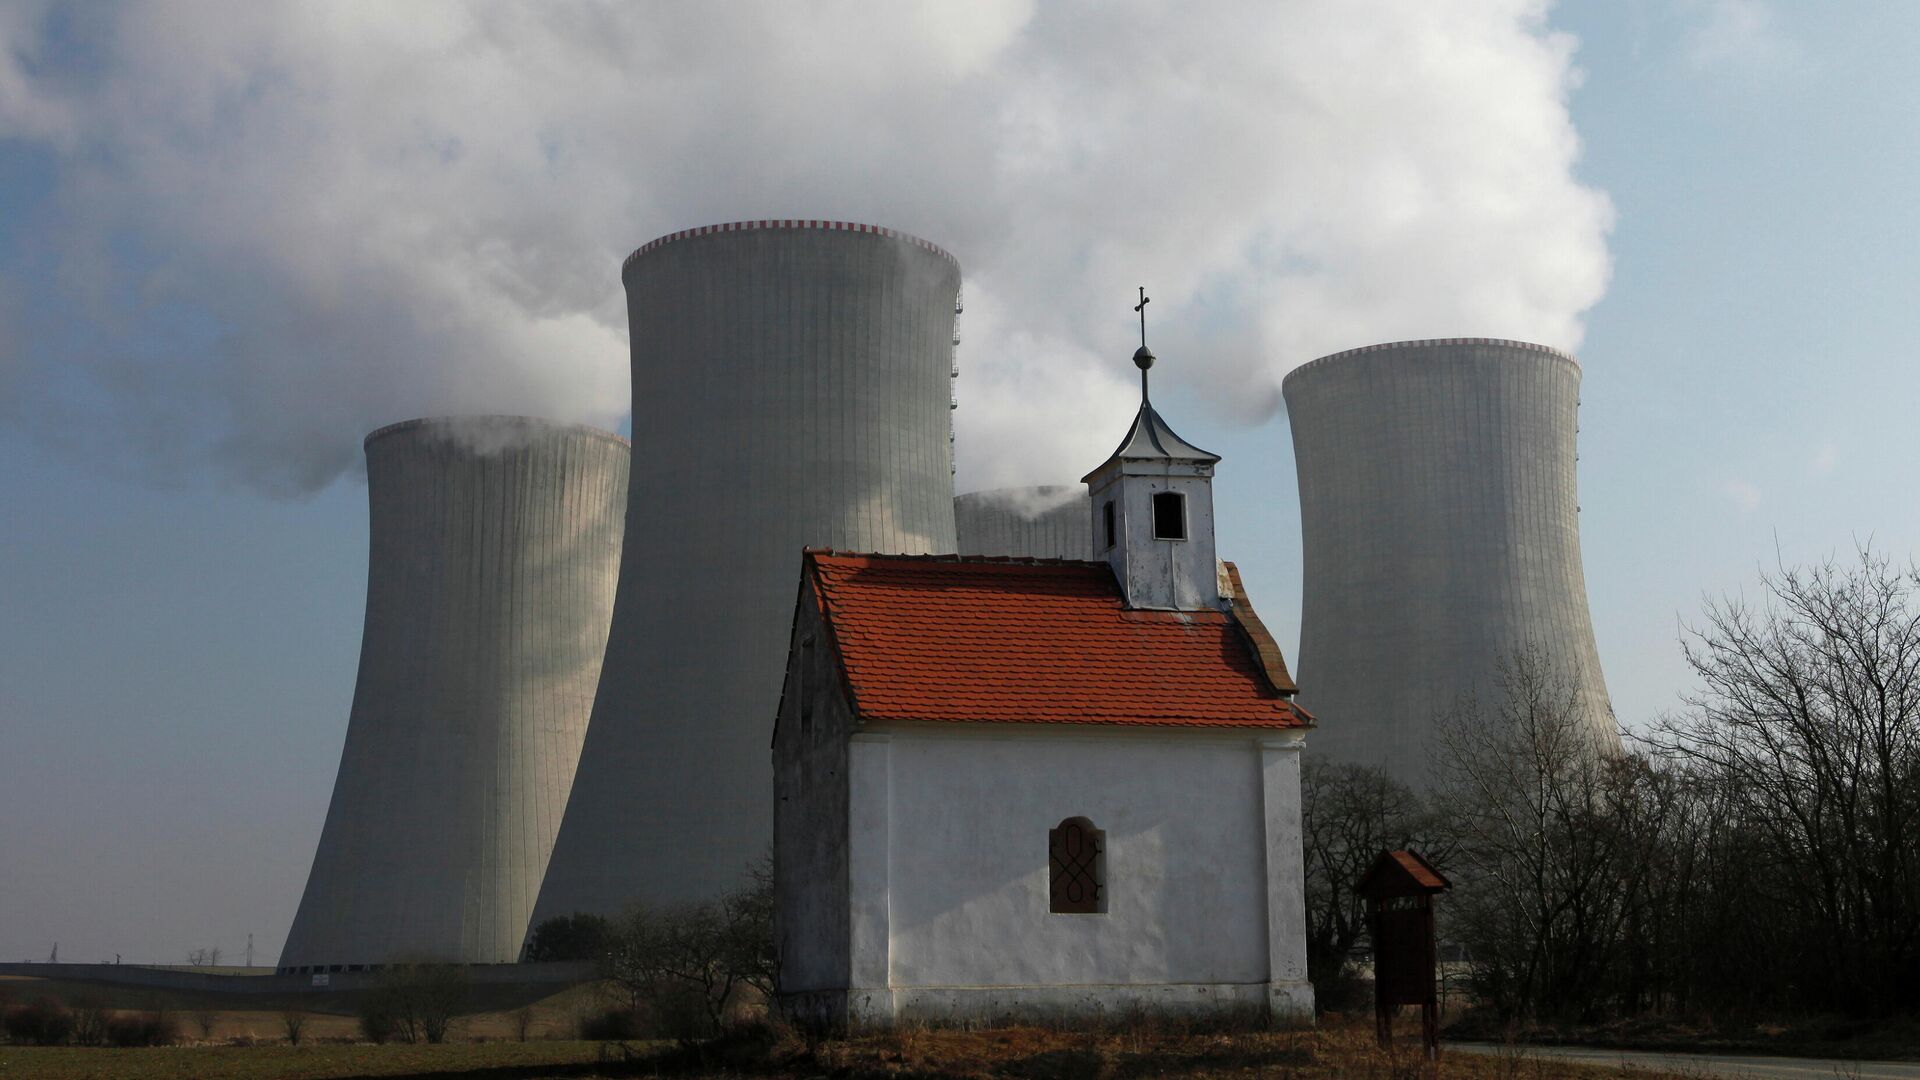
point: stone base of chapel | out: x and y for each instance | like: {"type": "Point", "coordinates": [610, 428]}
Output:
{"type": "Point", "coordinates": [1288, 1004]}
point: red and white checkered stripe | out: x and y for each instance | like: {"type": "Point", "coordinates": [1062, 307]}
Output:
{"type": "Point", "coordinates": [530, 421]}
{"type": "Point", "coordinates": [787, 223]}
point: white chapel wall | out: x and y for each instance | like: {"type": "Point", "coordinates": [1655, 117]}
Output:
{"type": "Point", "coordinates": [967, 875]}
{"type": "Point", "coordinates": [810, 818]}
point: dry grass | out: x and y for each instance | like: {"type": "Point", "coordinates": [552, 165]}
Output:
{"type": "Point", "coordinates": [1142, 1051]}
{"type": "Point", "coordinates": [912, 1054]}
{"type": "Point", "coordinates": [1844, 1038]}
{"type": "Point", "coordinates": [249, 1044]}
{"type": "Point", "coordinates": [256, 1018]}
{"type": "Point", "coordinates": [304, 1062]}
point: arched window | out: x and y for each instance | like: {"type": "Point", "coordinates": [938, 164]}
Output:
{"type": "Point", "coordinates": [1077, 868]}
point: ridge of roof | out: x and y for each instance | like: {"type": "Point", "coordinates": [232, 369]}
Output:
{"type": "Point", "coordinates": [964, 560]}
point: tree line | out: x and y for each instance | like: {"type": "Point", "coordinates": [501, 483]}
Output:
{"type": "Point", "coordinates": [1754, 851]}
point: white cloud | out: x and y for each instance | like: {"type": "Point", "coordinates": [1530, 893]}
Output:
{"type": "Point", "coordinates": [1739, 35]}
{"type": "Point", "coordinates": [1745, 495]}
{"type": "Point", "coordinates": [1825, 457]}
{"type": "Point", "coordinates": [279, 226]}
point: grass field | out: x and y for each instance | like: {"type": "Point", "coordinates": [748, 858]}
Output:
{"type": "Point", "coordinates": [297, 1062]}
{"type": "Point", "coordinates": [488, 998]}
{"type": "Point", "coordinates": [329, 1017]}
{"type": "Point", "coordinates": [242, 1037]}
{"type": "Point", "coordinates": [1032, 1054]}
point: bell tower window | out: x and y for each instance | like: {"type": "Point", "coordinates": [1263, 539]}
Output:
{"type": "Point", "coordinates": [1169, 515]}
{"type": "Point", "coordinates": [1106, 521]}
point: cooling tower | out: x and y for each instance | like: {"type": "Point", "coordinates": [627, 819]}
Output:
{"type": "Point", "coordinates": [791, 388]}
{"type": "Point", "coordinates": [495, 547]}
{"type": "Point", "coordinates": [1048, 522]}
{"type": "Point", "coordinates": [1440, 534]}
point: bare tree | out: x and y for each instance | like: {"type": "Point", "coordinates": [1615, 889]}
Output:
{"type": "Point", "coordinates": [748, 914]}
{"type": "Point", "coordinates": [91, 1015]}
{"type": "Point", "coordinates": [681, 966]}
{"type": "Point", "coordinates": [1554, 838]}
{"type": "Point", "coordinates": [676, 965]}
{"type": "Point", "coordinates": [1808, 728]}
{"type": "Point", "coordinates": [416, 999]}
{"type": "Point", "coordinates": [1349, 814]}
{"type": "Point", "coordinates": [294, 1022]}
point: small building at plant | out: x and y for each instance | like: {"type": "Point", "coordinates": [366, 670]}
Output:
{"type": "Point", "coordinates": [1042, 788]}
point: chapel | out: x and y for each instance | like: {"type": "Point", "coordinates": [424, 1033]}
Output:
{"type": "Point", "coordinates": [1042, 789]}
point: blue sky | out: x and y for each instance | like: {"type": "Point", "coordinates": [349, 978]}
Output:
{"type": "Point", "coordinates": [182, 539]}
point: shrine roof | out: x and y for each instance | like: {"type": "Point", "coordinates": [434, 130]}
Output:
{"type": "Point", "coordinates": [1401, 873]}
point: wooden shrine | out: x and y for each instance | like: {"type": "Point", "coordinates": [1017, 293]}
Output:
{"type": "Point", "coordinates": [1399, 888]}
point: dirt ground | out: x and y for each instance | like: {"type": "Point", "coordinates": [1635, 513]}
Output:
{"type": "Point", "coordinates": [259, 1018]}
{"type": "Point", "coordinates": [487, 998]}
{"type": "Point", "coordinates": [245, 1044]}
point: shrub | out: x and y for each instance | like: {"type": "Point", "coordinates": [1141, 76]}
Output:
{"type": "Point", "coordinates": [42, 1022]}
{"type": "Point", "coordinates": [417, 1000]}
{"type": "Point", "coordinates": [90, 1019]}
{"type": "Point", "coordinates": [294, 1021]}
{"type": "Point", "coordinates": [676, 967]}
{"type": "Point", "coordinates": [143, 1029]}
{"type": "Point", "coordinates": [579, 936]}
{"type": "Point", "coordinates": [610, 1024]}
{"type": "Point", "coordinates": [377, 1024]}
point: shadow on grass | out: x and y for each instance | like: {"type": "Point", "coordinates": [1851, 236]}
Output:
{"type": "Point", "coordinates": [1025, 1055]}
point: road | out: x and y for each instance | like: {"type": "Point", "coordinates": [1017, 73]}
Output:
{"type": "Point", "coordinates": [1757, 1067]}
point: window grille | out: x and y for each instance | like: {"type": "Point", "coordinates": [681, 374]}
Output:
{"type": "Point", "coordinates": [1077, 864]}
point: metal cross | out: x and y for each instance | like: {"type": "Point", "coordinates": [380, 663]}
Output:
{"type": "Point", "coordinates": [1143, 359]}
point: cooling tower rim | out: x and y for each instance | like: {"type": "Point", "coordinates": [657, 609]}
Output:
{"type": "Point", "coordinates": [554, 426]}
{"type": "Point", "coordinates": [1423, 343]}
{"type": "Point", "coordinates": [1017, 489]}
{"type": "Point", "coordinates": [792, 224]}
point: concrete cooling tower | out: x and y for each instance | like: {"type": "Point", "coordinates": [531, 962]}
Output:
{"type": "Point", "coordinates": [791, 387]}
{"type": "Point", "coordinates": [1047, 522]}
{"type": "Point", "coordinates": [1440, 534]}
{"type": "Point", "coordinates": [495, 547]}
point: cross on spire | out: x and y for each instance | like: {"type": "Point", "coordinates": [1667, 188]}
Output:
{"type": "Point", "coordinates": [1143, 358]}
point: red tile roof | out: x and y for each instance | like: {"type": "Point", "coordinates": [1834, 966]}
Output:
{"type": "Point", "coordinates": [1401, 873]}
{"type": "Point", "coordinates": [1033, 641]}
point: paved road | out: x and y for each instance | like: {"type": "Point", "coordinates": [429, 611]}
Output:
{"type": "Point", "coordinates": [1754, 1066]}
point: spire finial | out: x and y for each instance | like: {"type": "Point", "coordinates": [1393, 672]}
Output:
{"type": "Point", "coordinates": [1143, 357]}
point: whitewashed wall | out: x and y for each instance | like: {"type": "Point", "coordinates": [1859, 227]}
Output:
{"type": "Point", "coordinates": [810, 821]}
{"type": "Point", "coordinates": [948, 876]}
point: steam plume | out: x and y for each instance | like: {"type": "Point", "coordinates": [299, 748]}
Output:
{"type": "Point", "coordinates": [267, 229]}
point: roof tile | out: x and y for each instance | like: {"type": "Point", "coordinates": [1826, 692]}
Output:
{"type": "Point", "coordinates": [950, 638]}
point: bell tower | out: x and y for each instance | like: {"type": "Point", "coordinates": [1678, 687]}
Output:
{"type": "Point", "coordinates": [1153, 509]}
